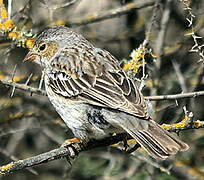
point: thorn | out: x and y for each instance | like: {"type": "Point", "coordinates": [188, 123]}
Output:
{"type": "Point", "coordinates": [27, 81]}
{"type": "Point", "coordinates": [12, 92]}
{"type": "Point", "coordinates": [41, 80]}
{"type": "Point", "coordinates": [13, 74]}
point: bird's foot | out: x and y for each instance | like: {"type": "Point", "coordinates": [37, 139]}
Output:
{"type": "Point", "coordinates": [68, 142]}
{"type": "Point", "coordinates": [72, 145]}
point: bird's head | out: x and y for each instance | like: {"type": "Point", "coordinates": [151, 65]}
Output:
{"type": "Point", "coordinates": [50, 43]}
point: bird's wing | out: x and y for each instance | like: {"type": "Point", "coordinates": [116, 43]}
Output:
{"type": "Point", "coordinates": [95, 77]}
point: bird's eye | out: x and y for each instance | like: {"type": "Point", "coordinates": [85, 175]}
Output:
{"type": "Point", "coordinates": [42, 47]}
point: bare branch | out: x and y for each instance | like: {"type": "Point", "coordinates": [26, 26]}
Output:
{"type": "Point", "coordinates": [100, 16]}
{"type": "Point", "coordinates": [161, 35]}
{"type": "Point", "coordinates": [175, 96]}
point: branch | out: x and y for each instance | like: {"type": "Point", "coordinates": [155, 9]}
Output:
{"type": "Point", "coordinates": [159, 43]}
{"type": "Point", "coordinates": [100, 16]}
{"type": "Point", "coordinates": [175, 96]}
{"type": "Point", "coordinates": [151, 98]}
{"type": "Point", "coordinates": [71, 151]}
{"type": "Point", "coordinates": [23, 87]}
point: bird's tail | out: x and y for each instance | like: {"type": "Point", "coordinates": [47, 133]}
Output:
{"type": "Point", "coordinates": [158, 142]}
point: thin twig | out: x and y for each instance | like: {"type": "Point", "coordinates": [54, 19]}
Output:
{"type": "Point", "coordinates": [13, 74]}
{"type": "Point", "coordinates": [161, 35]}
{"type": "Point", "coordinates": [180, 76]}
{"type": "Point", "coordinates": [23, 87]}
{"type": "Point", "coordinates": [28, 79]}
{"type": "Point", "coordinates": [103, 15]}
{"type": "Point", "coordinates": [152, 21]}
{"type": "Point", "coordinates": [9, 8]}
{"type": "Point", "coordinates": [175, 96]}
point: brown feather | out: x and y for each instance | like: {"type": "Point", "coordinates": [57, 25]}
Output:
{"type": "Point", "coordinates": [110, 86]}
{"type": "Point", "coordinates": [158, 142]}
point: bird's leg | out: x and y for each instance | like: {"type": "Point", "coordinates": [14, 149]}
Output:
{"type": "Point", "coordinates": [72, 145]}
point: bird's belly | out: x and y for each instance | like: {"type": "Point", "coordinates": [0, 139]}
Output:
{"type": "Point", "coordinates": [85, 121]}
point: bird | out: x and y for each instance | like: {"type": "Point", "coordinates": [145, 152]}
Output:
{"type": "Point", "coordinates": [93, 94]}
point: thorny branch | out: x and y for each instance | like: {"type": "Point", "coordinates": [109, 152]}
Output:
{"type": "Point", "coordinates": [23, 87]}
{"type": "Point", "coordinates": [151, 98]}
{"type": "Point", "coordinates": [197, 47]}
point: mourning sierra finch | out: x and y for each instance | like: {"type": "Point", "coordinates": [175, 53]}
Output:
{"type": "Point", "coordinates": [93, 95]}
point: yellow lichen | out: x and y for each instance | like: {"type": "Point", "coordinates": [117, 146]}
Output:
{"type": "Point", "coordinates": [29, 113]}
{"type": "Point", "coordinates": [6, 168]}
{"type": "Point", "coordinates": [137, 54]}
{"type": "Point", "coordinates": [180, 125]}
{"type": "Point", "coordinates": [14, 34]}
{"type": "Point", "coordinates": [3, 13]}
{"type": "Point", "coordinates": [7, 25]}
{"type": "Point", "coordinates": [30, 43]}
{"type": "Point", "coordinates": [198, 124]}
{"type": "Point", "coordinates": [137, 60]}
{"type": "Point", "coordinates": [133, 66]}
{"type": "Point", "coordinates": [166, 126]}
{"type": "Point", "coordinates": [16, 79]}
{"type": "Point", "coordinates": [17, 115]}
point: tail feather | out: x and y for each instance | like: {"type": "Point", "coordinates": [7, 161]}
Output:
{"type": "Point", "coordinates": [158, 142]}
{"type": "Point", "coordinates": [152, 148]}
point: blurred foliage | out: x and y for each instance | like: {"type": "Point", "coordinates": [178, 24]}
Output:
{"type": "Point", "coordinates": [29, 125]}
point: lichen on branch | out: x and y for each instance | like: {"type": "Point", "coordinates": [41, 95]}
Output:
{"type": "Point", "coordinates": [10, 30]}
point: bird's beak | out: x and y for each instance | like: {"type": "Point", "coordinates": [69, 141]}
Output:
{"type": "Point", "coordinates": [31, 56]}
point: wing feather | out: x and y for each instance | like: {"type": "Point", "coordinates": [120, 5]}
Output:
{"type": "Point", "coordinates": [101, 83]}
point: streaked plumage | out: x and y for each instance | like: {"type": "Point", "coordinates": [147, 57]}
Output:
{"type": "Point", "coordinates": [93, 95]}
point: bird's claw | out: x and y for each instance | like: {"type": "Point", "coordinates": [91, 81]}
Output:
{"type": "Point", "coordinates": [70, 144]}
